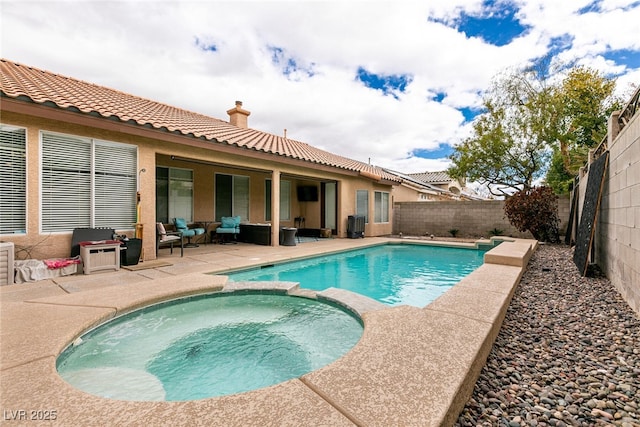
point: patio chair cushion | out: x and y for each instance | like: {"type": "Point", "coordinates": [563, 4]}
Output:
{"type": "Point", "coordinates": [162, 233]}
{"type": "Point", "coordinates": [230, 222]}
{"type": "Point", "coordinates": [221, 230]}
{"type": "Point", "coordinates": [229, 225]}
{"type": "Point", "coordinates": [168, 238]}
{"type": "Point", "coordinates": [181, 225]}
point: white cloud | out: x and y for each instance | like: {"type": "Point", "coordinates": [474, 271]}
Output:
{"type": "Point", "coordinates": [148, 48]}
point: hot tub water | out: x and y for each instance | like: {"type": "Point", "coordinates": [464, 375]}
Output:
{"type": "Point", "coordinates": [208, 346]}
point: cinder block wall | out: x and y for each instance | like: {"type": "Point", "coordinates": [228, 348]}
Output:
{"type": "Point", "coordinates": [471, 218]}
{"type": "Point", "coordinates": [617, 239]}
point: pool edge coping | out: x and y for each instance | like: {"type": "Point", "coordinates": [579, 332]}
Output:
{"type": "Point", "coordinates": [456, 397]}
{"type": "Point", "coordinates": [491, 243]}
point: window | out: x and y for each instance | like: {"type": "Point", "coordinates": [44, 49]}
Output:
{"type": "Point", "coordinates": [232, 196]}
{"type": "Point", "coordinates": [285, 200]}
{"type": "Point", "coordinates": [174, 194]}
{"type": "Point", "coordinates": [87, 183]}
{"type": "Point", "coordinates": [13, 176]}
{"type": "Point", "coordinates": [329, 191]}
{"type": "Point", "coordinates": [362, 204]}
{"type": "Point", "coordinates": [381, 202]}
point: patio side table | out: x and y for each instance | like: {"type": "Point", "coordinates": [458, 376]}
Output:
{"type": "Point", "coordinates": [289, 236]}
{"type": "Point", "coordinates": [100, 255]}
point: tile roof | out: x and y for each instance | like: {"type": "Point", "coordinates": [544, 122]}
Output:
{"type": "Point", "coordinates": [420, 180]}
{"type": "Point", "coordinates": [412, 179]}
{"type": "Point", "coordinates": [441, 177]}
{"type": "Point", "coordinates": [30, 84]}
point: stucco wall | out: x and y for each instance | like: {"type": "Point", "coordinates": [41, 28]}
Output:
{"type": "Point", "coordinates": [152, 152]}
{"type": "Point", "coordinates": [471, 218]}
{"type": "Point", "coordinates": [347, 206]}
{"type": "Point", "coordinates": [617, 240]}
{"type": "Point", "coordinates": [402, 193]}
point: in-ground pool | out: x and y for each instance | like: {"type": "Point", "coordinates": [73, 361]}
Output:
{"type": "Point", "coordinates": [411, 274]}
{"type": "Point", "coordinates": [210, 345]}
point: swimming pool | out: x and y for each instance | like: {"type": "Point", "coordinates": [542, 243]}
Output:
{"type": "Point", "coordinates": [395, 274]}
{"type": "Point", "coordinates": [210, 345]}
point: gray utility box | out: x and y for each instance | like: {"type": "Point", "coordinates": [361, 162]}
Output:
{"type": "Point", "coordinates": [355, 226]}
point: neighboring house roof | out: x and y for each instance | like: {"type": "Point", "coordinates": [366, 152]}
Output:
{"type": "Point", "coordinates": [441, 177]}
{"type": "Point", "coordinates": [417, 180]}
{"type": "Point", "coordinates": [28, 84]}
{"type": "Point", "coordinates": [410, 179]}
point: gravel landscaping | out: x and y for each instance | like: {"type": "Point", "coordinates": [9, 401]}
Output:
{"type": "Point", "coordinates": [568, 353]}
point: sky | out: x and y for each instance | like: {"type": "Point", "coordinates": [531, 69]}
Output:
{"type": "Point", "coordinates": [392, 83]}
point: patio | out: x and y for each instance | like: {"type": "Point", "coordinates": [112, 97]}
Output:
{"type": "Point", "coordinates": [412, 366]}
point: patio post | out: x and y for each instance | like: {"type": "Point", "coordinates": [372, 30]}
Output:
{"type": "Point", "coordinates": [275, 207]}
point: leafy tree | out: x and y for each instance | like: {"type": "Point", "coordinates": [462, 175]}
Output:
{"type": "Point", "coordinates": [534, 124]}
{"type": "Point", "coordinates": [558, 177]}
{"type": "Point", "coordinates": [587, 100]}
{"type": "Point", "coordinates": [510, 144]}
{"type": "Point", "coordinates": [535, 210]}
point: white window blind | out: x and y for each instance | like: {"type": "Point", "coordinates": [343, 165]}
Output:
{"type": "Point", "coordinates": [180, 194]}
{"type": "Point", "coordinates": [115, 185]}
{"type": "Point", "coordinates": [362, 204]}
{"type": "Point", "coordinates": [231, 196]}
{"type": "Point", "coordinates": [241, 196]}
{"type": "Point", "coordinates": [66, 182]}
{"type": "Point", "coordinates": [13, 172]}
{"type": "Point", "coordinates": [87, 183]}
{"type": "Point", "coordinates": [330, 208]}
{"type": "Point", "coordinates": [381, 206]}
{"type": "Point", "coordinates": [285, 200]}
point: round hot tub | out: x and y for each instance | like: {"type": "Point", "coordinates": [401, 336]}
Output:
{"type": "Point", "coordinates": [207, 346]}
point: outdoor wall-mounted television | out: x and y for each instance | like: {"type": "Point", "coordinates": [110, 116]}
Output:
{"type": "Point", "coordinates": [308, 193]}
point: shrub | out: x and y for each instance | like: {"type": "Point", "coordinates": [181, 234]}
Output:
{"type": "Point", "coordinates": [535, 210]}
{"type": "Point", "coordinates": [454, 232]}
{"type": "Point", "coordinates": [496, 232]}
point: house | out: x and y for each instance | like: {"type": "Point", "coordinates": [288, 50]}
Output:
{"type": "Point", "coordinates": [76, 154]}
{"type": "Point", "coordinates": [412, 189]}
{"type": "Point", "coordinates": [442, 181]}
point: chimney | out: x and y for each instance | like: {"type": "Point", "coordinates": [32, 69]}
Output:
{"type": "Point", "coordinates": [238, 116]}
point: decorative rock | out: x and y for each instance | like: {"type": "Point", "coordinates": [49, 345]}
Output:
{"type": "Point", "coordinates": [568, 353]}
{"type": "Point", "coordinates": [599, 413]}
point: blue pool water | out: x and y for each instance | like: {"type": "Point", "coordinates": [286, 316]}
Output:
{"type": "Point", "coordinates": [392, 274]}
{"type": "Point", "coordinates": [208, 346]}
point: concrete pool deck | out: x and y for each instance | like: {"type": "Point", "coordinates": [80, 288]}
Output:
{"type": "Point", "coordinates": [413, 366]}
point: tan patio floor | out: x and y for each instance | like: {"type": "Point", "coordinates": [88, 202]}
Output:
{"type": "Point", "coordinates": [412, 367]}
